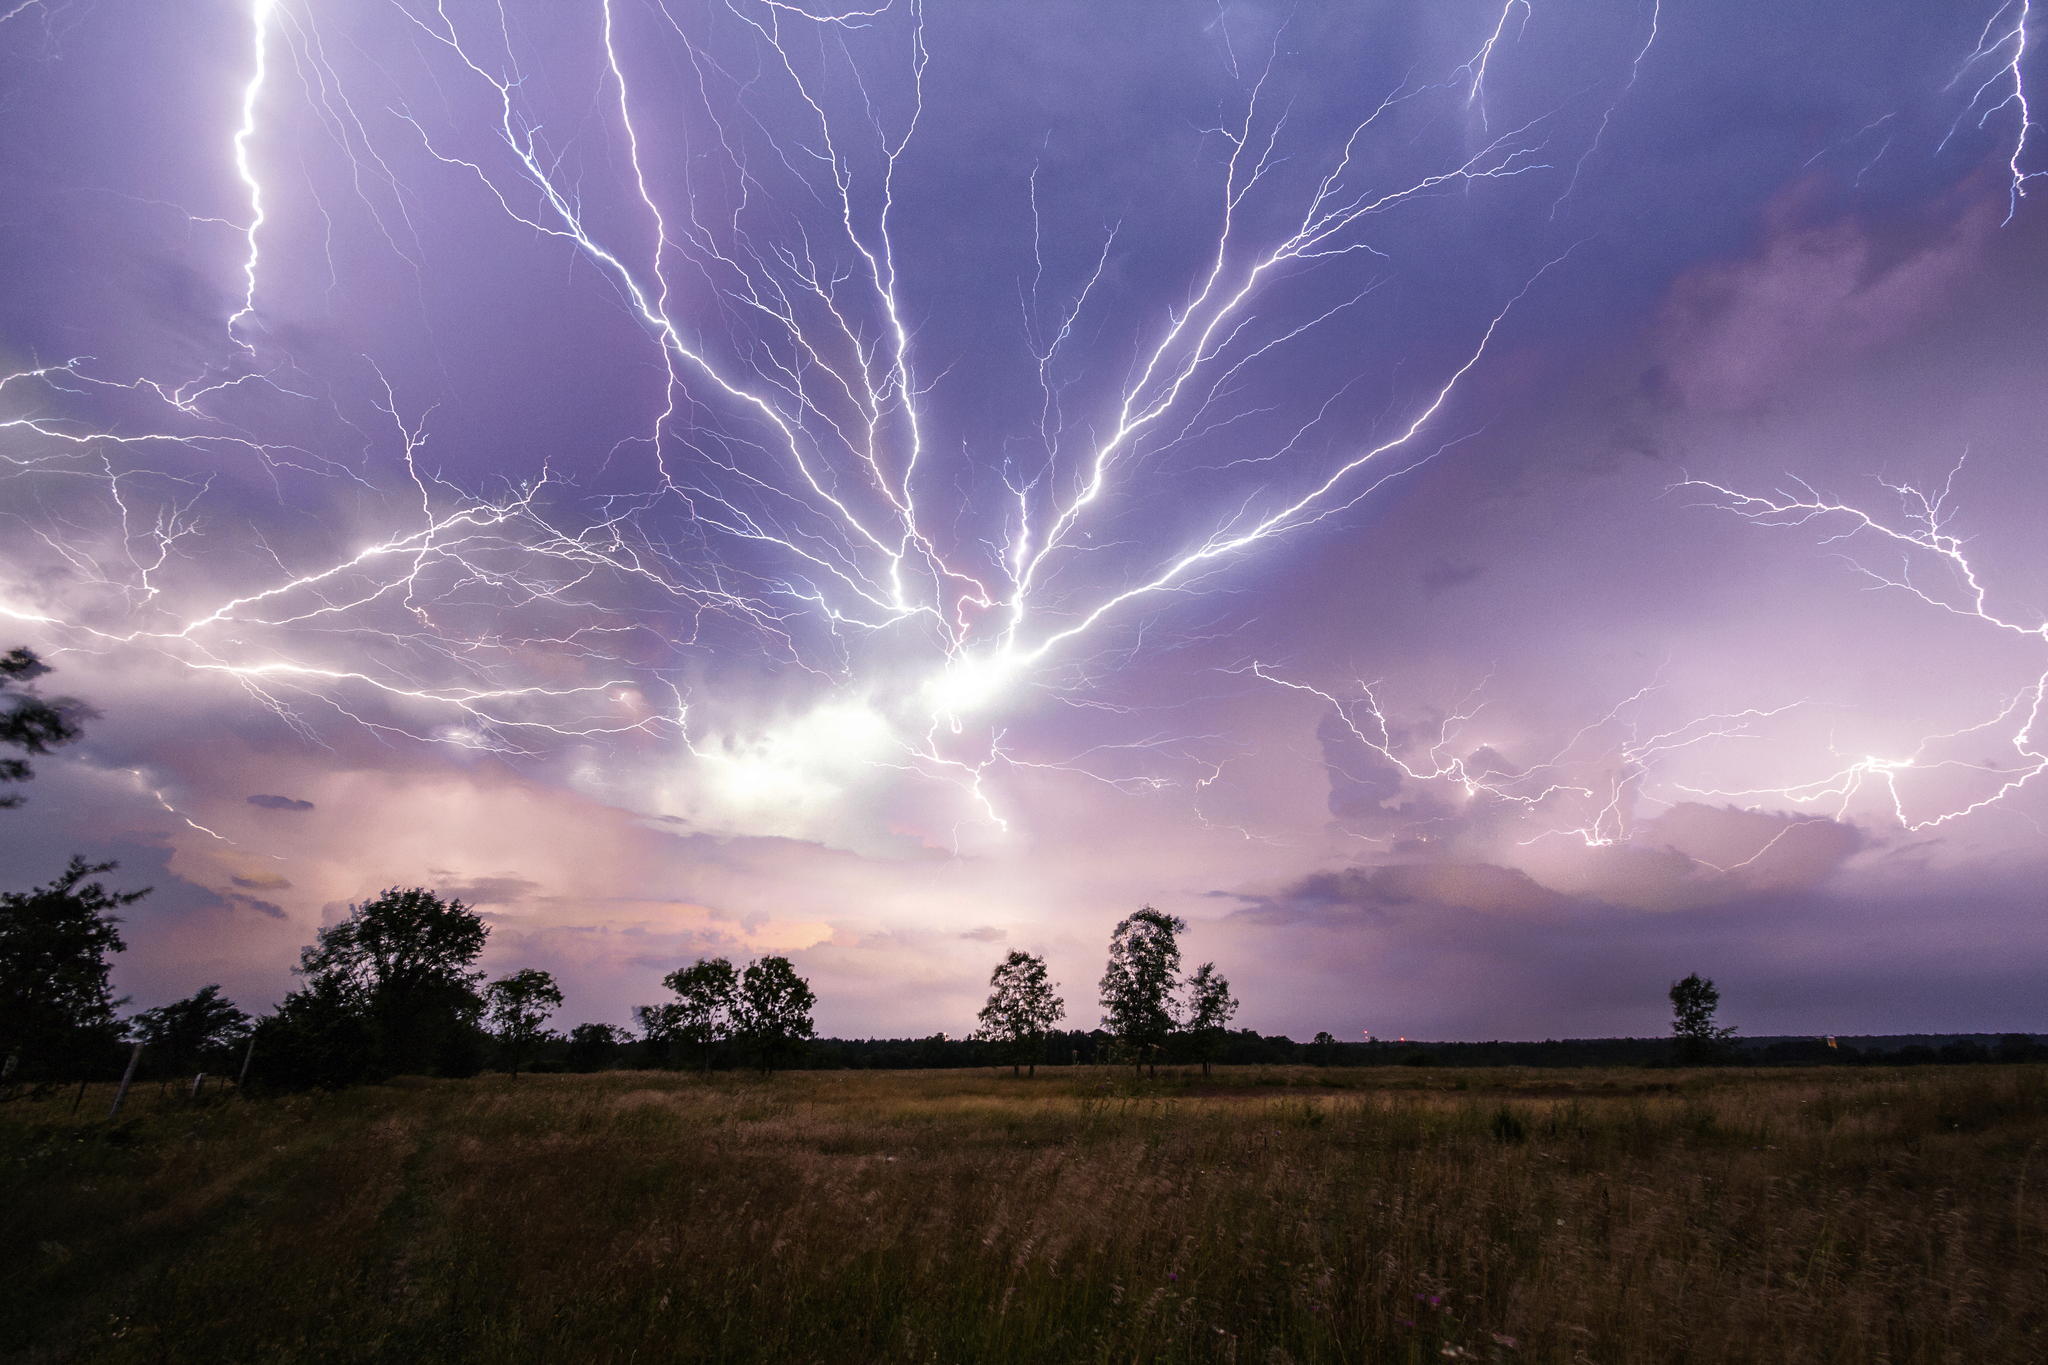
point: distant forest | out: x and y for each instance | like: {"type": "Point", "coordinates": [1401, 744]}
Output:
{"type": "Point", "coordinates": [1248, 1047]}
{"type": "Point", "coordinates": [392, 989]}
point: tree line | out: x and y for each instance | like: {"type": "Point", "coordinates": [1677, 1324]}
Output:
{"type": "Point", "coordinates": [392, 989]}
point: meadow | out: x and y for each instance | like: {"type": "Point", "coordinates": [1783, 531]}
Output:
{"type": "Point", "coordinates": [1267, 1214]}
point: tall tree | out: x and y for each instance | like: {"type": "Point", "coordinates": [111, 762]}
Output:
{"type": "Point", "coordinates": [1693, 1002]}
{"type": "Point", "coordinates": [773, 1013]}
{"type": "Point", "coordinates": [30, 722]}
{"type": "Point", "coordinates": [707, 992]}
{"type": "Point", "coordinates": [400, 965]}
{"type": "Point", "coordinates": [520, 1006]}
{"type": "Point", "coordinates": [56, 1010]}
{"type": "Point", "coordinates": [197, 1033]}
{"type": "Point", "coordinates": [1021, 1008]}
{"type": "Point", "coordinates": [1137, 986]}
{"type": "Point", "coordinates": [1209, 1006]}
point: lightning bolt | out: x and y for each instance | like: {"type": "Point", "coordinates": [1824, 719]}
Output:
{"type": "Point", "coordinates": [1934, 569]}
{"type": "Point", "coordinates": [2002, 48]}
{"type": "Point", "coordinates": [790, 493]}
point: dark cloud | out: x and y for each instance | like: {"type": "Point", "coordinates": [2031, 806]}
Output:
{"type": "Point", "coordinates": [1349, 894]}
{"type": "Point", "coordinates": [1813, 298]}
{"type": "Point", "coordinates": [1443, 574]}
{"type": "Point", "coordinates": [501, 890]}
{"type": "Point", "coordinates": [280, 803]}
{"type": "Point", "coordinates": [262, 881]}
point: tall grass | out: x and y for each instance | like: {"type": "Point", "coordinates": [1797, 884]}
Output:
{"type": "Point", "coordinates": [1273, 1215]}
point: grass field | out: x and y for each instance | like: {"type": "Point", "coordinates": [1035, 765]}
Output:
{"type": "Point", "coordinates": [1267, 1215]}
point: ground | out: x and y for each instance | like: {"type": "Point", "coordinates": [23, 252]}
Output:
{"type": "Point", "coordinates": [1269, 1214]}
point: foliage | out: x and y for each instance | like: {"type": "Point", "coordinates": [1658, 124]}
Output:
{"type": "Point", "coordinates": [772, 1016]}
{"type": "Point", "coordinates": [1137, 985]}
{"type": "Point", "coordinates": [661, 1028]}
{"type": "Point", "coordinates": [519, 1006]}
{"type": "Point", "coordinates": [592, 1046]}
{"type": "Point", "coordinates": [1021, 1008]}
{"type": "Point", "coordinates": [318, 1038]}
{"type": "Point", "coordinates": [388, 989]}
{"type": "Point", "coordinates": [1693, 1002]}
{"type": "Point", "coordinates": [1207, 1011]}
{"type": "Point", "coordinates": [707, 992]}
{"type": "Point", "coordinates": [199, 1033]}
{"type": "Point", "coordinates": [56, 1009]}
{"type": "Point", "coordinates": [29, 722]}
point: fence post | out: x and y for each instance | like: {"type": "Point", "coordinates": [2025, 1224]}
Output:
{"type": "Point", "coordinates": [134, 1059]}
{"type": "Point", "coordinates": [197, 1081]}
{"type": "Point", "coordinates": [247, 1053]}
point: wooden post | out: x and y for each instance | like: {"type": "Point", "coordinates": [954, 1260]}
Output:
{"type": "Point", "coordinates": [197, 1081]}
{"type": "Point", "coordinates": [78, 1099]}
{"type": "Point", "coordinates": [247, 1053]}
{"type": "Point", "coordinates": [134, 1060]}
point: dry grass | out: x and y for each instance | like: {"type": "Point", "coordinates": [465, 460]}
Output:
{"type": "Point", "coordinates": [1276, 1215]}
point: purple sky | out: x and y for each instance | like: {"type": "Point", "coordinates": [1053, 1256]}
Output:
{"type": "Point", "coordinates": [1483, 514]}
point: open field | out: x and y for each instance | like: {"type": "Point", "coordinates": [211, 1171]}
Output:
{"type": "Point", "coordinates": [1839, 1215]}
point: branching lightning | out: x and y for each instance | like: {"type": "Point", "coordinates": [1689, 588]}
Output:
{"type": "Point", "coordinates": [791, 492]}
{"type": "Point", "coordinates": [1934, 568]}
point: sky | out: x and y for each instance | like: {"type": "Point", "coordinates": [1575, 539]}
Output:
{"type": "Point", "coordinates": [1481, 511]}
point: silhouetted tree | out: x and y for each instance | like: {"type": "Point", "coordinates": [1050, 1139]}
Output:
{"type": "Point", "coordinates": [1322, 1049]}
{"type": "Point", "coordinates": [56, 1011]}
{"type": "Point", "coordinates": [1207, 1012]}
{"type": "Point", "coordinates": [1144, 958]}
{"type": "Point", "coordinates": [591, 1046]}
{"type": "Point", "coordinates": [772, 1016]}
{"type": "Point", "coordinates": [393, 977]}
{"type": "Point", "coordinates": [319, 1037]}
{"type": "Point", "coordinates": [519, 1007]}
{"type": "Point", "coordinates": [661, 1027]}
{"type": "Point", "coordinates": [31, 723]}
{"type": "Point", "coordinates": [1021, 1008]}
{"type": "Point", "coordinates": [707, 991]}
{"type": "Point", "coordinates": [1693, 1002]}
{"type": "Point", "coordinates": [198, 1033]}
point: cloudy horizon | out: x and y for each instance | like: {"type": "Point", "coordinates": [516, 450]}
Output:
{"type": "Point", "coordinates": [1483, 515]}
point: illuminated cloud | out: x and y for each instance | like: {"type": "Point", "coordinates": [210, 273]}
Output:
{"type": "Point", "coordinates": [1226, 475]}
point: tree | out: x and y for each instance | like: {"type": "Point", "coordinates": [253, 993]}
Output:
{"type": "Point", "coordinates": [398, 969]}
{"type": "Point", "coordinates": [1693, 1002]}
{"type": "Point", "coordinates": [592, 1045]}
{"type": "Point", "coordinates": [519, 1007]}
{"type": "Point", "coordinates": [198, 1033]}
{"type": "Point", "coordinates": [707, 992]}
{"type": "Point", "coordinates": [31, 723]}
{"type": "Point", "coordinates": [1209, 1007]}
{"type": "Point", "coordinates": [1021, 1008]}
{"type": "Point", "coordinates": [1144, 958]}
{"type": "Point", "coordinates": [319, 1038]}
{"type": "Point", "coordinates": [660, 1026]}
{"type": "Point", "coordinates": [56, 1010]}
{"type": "Point", "coordinates": [773, 1013]}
